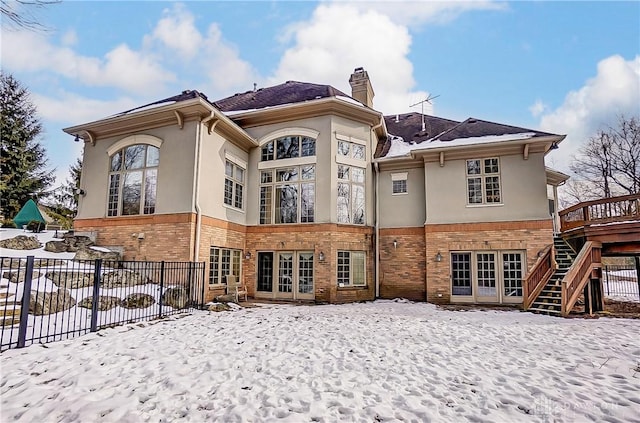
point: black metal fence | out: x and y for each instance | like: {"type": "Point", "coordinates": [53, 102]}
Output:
{"type": "Point", "coordinates": [621, 282]}
{"type": "Point", "coordinates": [44, 300]}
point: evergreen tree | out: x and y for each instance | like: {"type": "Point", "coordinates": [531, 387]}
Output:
{"type": "Point", "coordinates": [66, 196]}
{"type": "Point", "coordinates": [23, 163]}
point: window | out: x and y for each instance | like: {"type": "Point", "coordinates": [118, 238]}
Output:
{"type": "Point", "coordinates": [494, 274]}
{"type": "Point", "coordinates": [233, 185]}
{"type": "Point", "coordinates": [483, 181]}
{"type": "Point", "coordinates": [351, 149]}
{"type": "Point", "coordinates": [351, 194]}
{"type": "Point", "coordinates": [133, 180]}
{"type": "Point", "coordinates": [351, 268]}
{"type": "Point", "coordinates": [399, 183]}
{"type": "Point", "coordinates": [288, 148]}
{"type": "Point", "coordinates": [461, 274]}
{"type": "Point", "coordinates": [287, 195]}
{"type": "Point", "coordinates": [223, 262]}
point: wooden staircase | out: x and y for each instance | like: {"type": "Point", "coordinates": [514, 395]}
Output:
{"type": "Point", "coordinates": [550, 299]}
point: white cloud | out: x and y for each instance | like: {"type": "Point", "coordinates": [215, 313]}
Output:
{"type": "Point", "coordinates": [417, 13]}
{"type": "Point", "coordinates": [71, 109]}
{"type": "Point", "coordinates": [613, 91]}
{"type": "Point", "coordinates": [121, 67]}
{"type": "Point", "coordinates": [69, 38]}
{"type": "Point", "coordinates": [537, 108]}
{"type": "Point", "coordinates": [177, 31]}
{"type": "Point", "coordinates": [340, 37]}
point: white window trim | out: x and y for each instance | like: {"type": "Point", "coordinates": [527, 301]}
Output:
{"type": "Point", "coordinates": [295, 161]}
{"type": "Point", "coordinates": [349, 138]}
{"type": "Point", "coordinates": [482, 175]}
{"type": "Point", "coordinates": [235, 181]}
{"type": "Point", "coordinates": [401, 176]}
{"type": "Point", "coordinates": [133, 140]}
{"type": "Point", "coordinates": [286, 132]}
{"type": "Point", "coordinates": [235, 159]}
{"type": "Point", "coordinates": [221, 280]}
{"type": "Point", "coordinates": [299, 182]}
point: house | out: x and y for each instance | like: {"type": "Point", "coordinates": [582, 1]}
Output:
{"type": "Point", "coordinates": [306, 193]}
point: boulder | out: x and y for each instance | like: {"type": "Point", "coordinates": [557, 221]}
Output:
{"type": "Point", "coordinates": [21, 242]}
{"type": "Point", "coordinates": [55, 246]}
{"type": "Point", "coordinates": [123, 277]}
{"type": "Point", "coordinates": [12, 263]}
{"type": "Point", "coordinates": [104, 302]}
{"type": "Point", "coordinates": [226, 298]}
{"type": "Point", "coordinates": [42, 303]}
{"type": "Point", "coordinates": [49, 262]}
{"type": "Point", "coordinates": [88, 253]}
{"type": "Point", "coordinates": [218, 307]}
{"type": "Point", "coordinates": [137, 300]}
{"type": "Point", "coordinates": [175, 297]}
{"type": "Point", "coordinates": [76, 242]}
{"type": "Point", "coordinates": [71, 280]}
{"type": "Point", "coordinates": [18, 277]}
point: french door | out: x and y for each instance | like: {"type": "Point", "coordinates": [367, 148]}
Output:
{"type": "Point", "coordinates": [487, 276]}
{"type": "Point", "coordinates": [286, 275]}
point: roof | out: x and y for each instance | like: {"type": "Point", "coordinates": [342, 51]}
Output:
{"type": "Point", "coordinates": [289, 92]}
{"type": "Point", "coordinates": [406, 134]}
{"type": "Point", "coordinates": [185, 95]}
{"type": "Point", "coordinates": [408, 126]}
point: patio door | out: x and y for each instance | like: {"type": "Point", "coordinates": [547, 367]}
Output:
{"type": "Point", "coordinates": [486, 277]}
{"type": "Point", "coordinates": [285, 275]}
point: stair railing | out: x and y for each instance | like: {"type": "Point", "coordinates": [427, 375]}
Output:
{"type": "Point", "coordinates": [579, 274]}
{"type": "Point", "coordinates": [538, 276]}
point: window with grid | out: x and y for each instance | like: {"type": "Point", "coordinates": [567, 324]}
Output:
{"type": "Point", "coordinates": [351, 197]}
{"type": "Point", "coordinates": [223, 262]}
{"type": "Point", "coordinates": [351, 149]}
{"type": "Point", "coordinates": [287, 195]}
{"type": "Point", "coordinates": [399, 183]}
{"type": "Point", "coordinates": [351, 268]}
{"type": "Point", "coordinates": [483, 181]}
{"type": "Point", "coordinates": [133, 180]}
{"type": "Point", "coordinates": [461, 274]}
{"type": "Point", "coordinates": [233, 185]}
{"type": "Point", "coordinates": [288, 148]}
{"type": "Point", "coordinates": [512, 274]}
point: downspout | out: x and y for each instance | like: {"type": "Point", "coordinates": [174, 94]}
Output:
{"type": "Point", "coordinates": [196, 191]}
{"type": "Point", "coordinates": [376, 167]}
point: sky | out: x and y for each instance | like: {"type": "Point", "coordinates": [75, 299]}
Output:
{"type": "Point", "coordinates": [562, 67]}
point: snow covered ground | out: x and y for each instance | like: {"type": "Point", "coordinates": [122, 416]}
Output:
{"type": "Point", "coordinates": [367, 362]}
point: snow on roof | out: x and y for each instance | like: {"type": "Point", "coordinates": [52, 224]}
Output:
{"type": "Point", "coordinates": [400, 148]}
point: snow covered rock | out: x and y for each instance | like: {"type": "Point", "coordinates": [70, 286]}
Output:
{"type": "Point", "coordinates": [104, 302]}
{"type": "Point", "coordinates": [21, 242]}
{"type": "Point", "coordinates": [137, 301]}
{"type": "Point", "coordinates": [42, 303]}
{"type": "Point", "coordinates": [71, 280]}
{"type": "Point", "coordinates": [76, 242]}
{"type": "Point", "coordinates": [123, 277]}
{"type": "Point", "coordinates": [175, 297]}
{"type": "Point", "coordinates": [18, 277]}
{"type": "Point", "coordinates": [218, 307]}
{"type": "Point", "coordinates": [55, 246]}
{"type": "Point", "coordinates": [92, 253]}
{"type": "Point", "coordinates": [226, 298]}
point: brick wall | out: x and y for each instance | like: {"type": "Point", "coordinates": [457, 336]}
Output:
{"type": "Point", "coordinates": [152, 238]}
{"type": "Point", "coordinates": [403, 267]}
{"type": "Point", "coordinates": [326, 238]}
{"type": "Point", "coordinates": [530, 236]}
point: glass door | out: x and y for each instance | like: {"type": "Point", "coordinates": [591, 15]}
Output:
{"type": "Point", "coordinates": [305, 289]}
{"type": "Point", "coordinates": [486, 277]}
{"type": "Point", "coordinates": [264, 286]}
{"type": "Point", "coordinates": [285, 276]}
{"type": "Point", "coordinates": [512, 272]}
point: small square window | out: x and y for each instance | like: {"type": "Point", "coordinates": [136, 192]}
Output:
{"type": "Point", "coordinates": [400, 187]}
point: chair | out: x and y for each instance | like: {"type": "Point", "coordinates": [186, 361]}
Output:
{"type": "Point", "coordinates": [236, 288]}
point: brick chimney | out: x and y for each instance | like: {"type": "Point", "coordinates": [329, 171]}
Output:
{"type": "Point", "coordinates": [361, 88]}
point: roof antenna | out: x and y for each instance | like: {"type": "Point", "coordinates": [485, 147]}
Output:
{"type": "Point", "coordinates": [255, 87]}
{"type": "Point", "coordinates": [421, 103]}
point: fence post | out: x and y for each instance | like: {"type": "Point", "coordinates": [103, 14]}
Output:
{"type": "Point", "coordinates": [606, 277]}
{"type": "Point", "coordinates": [26, 299]}
{"type": "Point", "coordinates": [161, 288]}
{"type": "Point", "coordinates": [97, 272]}
{"type": "Point", "coordinates": [203, 282]}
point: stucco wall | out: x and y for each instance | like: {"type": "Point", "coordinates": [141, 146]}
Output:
{"type": "Point", "coordinates": [523, 188]}
{"type": "Point", "coordinates": [175, 172]}
{"type": "Point", "coordinates": [402, 210]}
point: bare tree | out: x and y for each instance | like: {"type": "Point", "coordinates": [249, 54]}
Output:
{"type": "Point", "coordinates": [21, 13]}
{"type": "Point", "coordinates": [609, 163]}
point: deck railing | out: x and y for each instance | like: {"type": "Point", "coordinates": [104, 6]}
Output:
{"type": "Point", "coordinates": [579, 274]}
{"type": "Point", "coordinates": [604, 210]}
{"type": "Point", "coordinates": [538, 276]}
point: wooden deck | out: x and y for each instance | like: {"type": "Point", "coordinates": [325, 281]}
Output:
{"type": "Point", "coordinates": [614, 222]}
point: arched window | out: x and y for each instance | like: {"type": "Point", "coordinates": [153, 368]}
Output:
{"type": "Point", "coordinates": [133, 180]}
